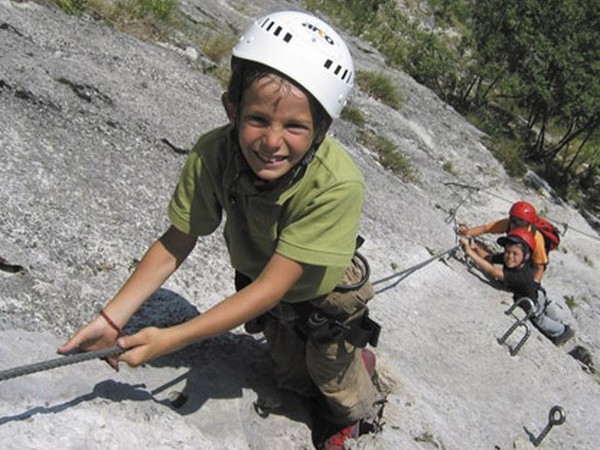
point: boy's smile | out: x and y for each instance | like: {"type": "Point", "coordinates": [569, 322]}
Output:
{"type": "Point", "coordinates": [513, 256]}
{"type": "Point", "coordinates": [275, 126]}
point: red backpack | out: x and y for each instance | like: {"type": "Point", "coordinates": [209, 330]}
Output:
{"type": "Point", "coordinates": [549, 231]}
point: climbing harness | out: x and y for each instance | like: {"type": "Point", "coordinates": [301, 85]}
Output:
{"type": "Point", "coordinates": [59, 362]}
{"type": "Point", "coordinates": [406, 272]}
{"type": "Point", "coordinates": [527, 305]}
{"type": "Point", "coordinates": [341, 314]}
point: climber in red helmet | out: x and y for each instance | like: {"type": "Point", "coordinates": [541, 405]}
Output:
{"type": "Point", "coordinates": [521, 215]}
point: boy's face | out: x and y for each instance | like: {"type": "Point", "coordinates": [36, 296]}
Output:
{"type": "Point", "coordinates": [275, 126]}
{"type": "Point", "coordinates": [513, 256]}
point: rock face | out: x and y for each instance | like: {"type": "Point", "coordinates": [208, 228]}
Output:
{"type": "Point", "coordinates": [94, 125]}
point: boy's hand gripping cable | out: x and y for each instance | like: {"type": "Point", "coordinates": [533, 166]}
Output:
{"type": "Point", "coordinates": [76, 357]}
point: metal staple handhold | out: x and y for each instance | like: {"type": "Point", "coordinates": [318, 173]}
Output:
{"type": "Point", "coordinates": [518, 323]}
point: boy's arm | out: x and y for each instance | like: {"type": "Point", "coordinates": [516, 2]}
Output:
{"type": "Point", "coordinates": [496, 227]}
{"type": "Point", "coordinates": [538, 274]}
{"type": "Point", "coordinates": [481, 262]}
{"type": "Point", "coordinates": [464, 230]}
{"type": "Point", "coordinates": [540, 257]}
{"type": "Point", "coordinates": [279, 275]}
{"type": "Point", "coordinates": [159, 262]}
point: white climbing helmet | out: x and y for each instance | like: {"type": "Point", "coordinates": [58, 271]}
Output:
{"type": "Point", "coordinates": [307, 50]}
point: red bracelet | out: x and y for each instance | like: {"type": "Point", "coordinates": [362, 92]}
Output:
{"type": "Point", "coordinates": [112, 324]}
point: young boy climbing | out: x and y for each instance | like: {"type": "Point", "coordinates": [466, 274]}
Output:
{"type": "Point", "coordinates": [517, 275]}
{"type": "Point", "coordinates": [521, 215]}
{"type": "Point", "coordinates": [292, 199]}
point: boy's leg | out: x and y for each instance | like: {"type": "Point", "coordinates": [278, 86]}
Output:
{"type": "Point", "coordinates": [288, 353]}
{"type": "Point", "coordinates": [546, 319]}
{"type": "Point", "coordinates": [336, 366]}
{"type": "Point", "coordinates": [338, 370]}
{"type": "Point", "coordinates": [553, 312]}
{"type": "Point", "coordinates": [550, 327]}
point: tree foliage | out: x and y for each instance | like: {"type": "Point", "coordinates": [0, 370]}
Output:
{"type": "Point", "coordinates": [547, 53]}
{"type": "Point", "coordinates": [539, 59]}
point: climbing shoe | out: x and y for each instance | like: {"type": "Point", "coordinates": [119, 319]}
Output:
{"type": "Point", "coordinates": [564, 336]}
{"type": "Point", "coordinates": [336, 441]}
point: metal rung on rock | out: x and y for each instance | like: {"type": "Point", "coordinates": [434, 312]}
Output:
{"type": "Point", "coordinates": [519, 322]}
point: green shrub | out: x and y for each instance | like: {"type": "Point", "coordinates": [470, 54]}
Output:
{"type": "Point", "coordinates": [380, 86]}
{"type": "Point", "coordinates": [74, 7]}
{"type": "Point", "coordinates": [448, 167]}
{"type": "Point", "coordinates": [353, 115]}
{"type": "Point", "coordinates": [424, 437]}
{"type": "Point", "coordinates": [505, 148]}
{"type": "Point", "coordinates": [570, 302]}
{"type": "Point", "coordinates": [144, 19]}
{"type": "Point", "coordinates": [509, 153]}
{"type": "Point", "coordinates": [218, 47]}
{"type": "Point", "coordinates": [160, 10]}
{"type": "Point", "coordinates": [390, 156]}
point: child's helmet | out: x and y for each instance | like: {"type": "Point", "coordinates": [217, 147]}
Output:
{"type": "Point", "coordinates": [521, 236]}
{"type": "Point", "coordinates": [307, 50]}
{"type": "Point", "coordinates": [523, 210]}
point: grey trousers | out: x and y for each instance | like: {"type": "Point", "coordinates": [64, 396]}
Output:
{"type": "Point", "coordinates": [546, 317]}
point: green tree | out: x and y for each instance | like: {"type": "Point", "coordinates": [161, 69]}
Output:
{"type": "Point", "coordinates": [546, 55]}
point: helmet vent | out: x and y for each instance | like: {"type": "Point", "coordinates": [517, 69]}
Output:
{"type": "Point", "coordinates": [268, 25]}
{"type": "Point", "coordinates": [345, 76]}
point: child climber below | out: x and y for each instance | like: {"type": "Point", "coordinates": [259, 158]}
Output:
{"type": "Point", "coordinates": [292, 198]}
{"type": "Point", "coordinates": [521, 215]}
{"type": "Point", "coordinates": [517, 275]}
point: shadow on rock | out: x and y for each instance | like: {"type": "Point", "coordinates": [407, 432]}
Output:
{"type": "Point", "coordinates": [111, 390]}
{"type": "Point", "coordinates": [219, 368]}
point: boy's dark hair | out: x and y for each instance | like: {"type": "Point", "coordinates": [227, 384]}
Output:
{"type": "Point", "coordinates": [244, 73]}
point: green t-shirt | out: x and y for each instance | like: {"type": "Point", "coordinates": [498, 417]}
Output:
{"type": "Point", "coordinates": [313, 220]}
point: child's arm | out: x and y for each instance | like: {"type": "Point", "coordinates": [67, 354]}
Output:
{"type": "Point", "coordinates": [464, 230]}
{"type": "Point", "coordinates": [487, 267]}
{"type": "Point", "coordinates": [159, 262]}
{"type": "Point", "coordinates": [539, 272]}
{"type": "Point", "coordinates": [496, 227]}
{"type": "Point", "coordinates": [260, 296]}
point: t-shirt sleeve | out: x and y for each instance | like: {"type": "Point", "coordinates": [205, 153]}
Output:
{"type": "Point", "coordinates": [324, 233]}
{"type": "Point", "coordinates": [194, 207]}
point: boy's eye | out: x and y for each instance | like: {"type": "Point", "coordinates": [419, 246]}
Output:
{"type": "Point", "coordinates": [256, 120]}
{"type": "Point", "coordinates": [297, 127]}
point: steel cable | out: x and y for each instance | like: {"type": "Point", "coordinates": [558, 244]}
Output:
{"type": "Point", "coordinates": [58, 362]}
{"type": "Point", "coordinates": [406, 272]}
